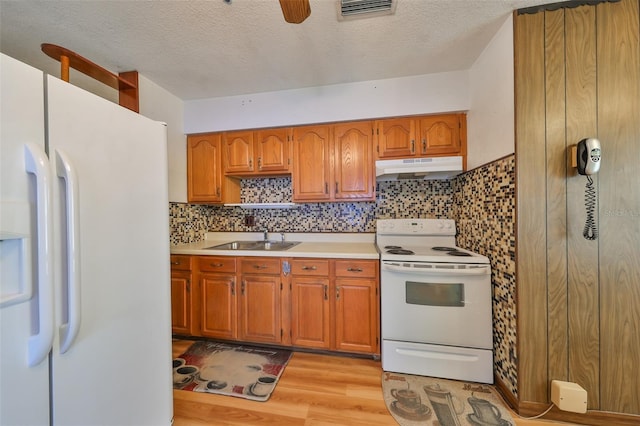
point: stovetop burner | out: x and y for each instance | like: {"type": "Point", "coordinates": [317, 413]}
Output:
{"type": "Point", "coordinates": [458, 253]}
{"type": "Point", "coordinates": [444, 248]}
{"type": "Point", "coordinates": [392, 247]}
{"type": "Point", "coordinates": [399, 251]}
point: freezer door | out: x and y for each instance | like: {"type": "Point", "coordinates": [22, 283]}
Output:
{"type": "Point", "coordinates": [111, 357]}
{"type": "Point", "coordinates": [24, 390]}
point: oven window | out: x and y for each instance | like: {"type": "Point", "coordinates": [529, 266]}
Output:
{"type": "Point", "coordinates": [435, 294]}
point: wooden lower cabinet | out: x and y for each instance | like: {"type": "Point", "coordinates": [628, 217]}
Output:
{"type": "Point", "coordinates": [323, 304]}
{"type": "Point", "coordinates": [181, 295]}
{"type": "Point", "coordinates": [260, 300]}
{"type": "Point", "coordinates": [310, 305]}
{"type": "Point", "coordinates": [218, 303]}
{"type": "Point", "coordinates": [337, 310]}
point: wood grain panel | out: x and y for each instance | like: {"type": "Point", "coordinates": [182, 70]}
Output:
{"type": "Point", "coordinates": [556, 181]}
{"type": "Point", "coordinates": [619, 204]}
{"type": "Point", "coordinates": [583, 296]}
{"type": "Point", "coordinates": [531, 199]}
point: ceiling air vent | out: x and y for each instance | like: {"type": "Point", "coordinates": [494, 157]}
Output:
{"type": "Point", "coordinates": [355, 9]}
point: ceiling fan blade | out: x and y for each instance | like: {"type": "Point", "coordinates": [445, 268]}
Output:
{"type": "Point", "coordinates": [295, 11]}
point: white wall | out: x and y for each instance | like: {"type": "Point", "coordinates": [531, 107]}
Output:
{"type": "Point", "coordinates": [158, 104]}
{"type": "Point", "coordinates": [490, 120]}
{"type": "Point", "coordinates": [424, 94]}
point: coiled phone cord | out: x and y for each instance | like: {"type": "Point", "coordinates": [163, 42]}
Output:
{"type": "Point", "coordinates": [590, 230]}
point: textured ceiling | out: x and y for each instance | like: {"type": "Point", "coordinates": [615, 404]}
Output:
{"type": "Point", "coordinates": [202, 49]}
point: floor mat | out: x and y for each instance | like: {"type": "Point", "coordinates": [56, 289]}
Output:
{"type": "Point", "coordinates": [417, 400]}
{"type": "Point", "coordinates": [242, 371]}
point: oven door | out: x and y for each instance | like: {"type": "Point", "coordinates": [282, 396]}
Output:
{"type": "Point", "coordinates": [443, 304]}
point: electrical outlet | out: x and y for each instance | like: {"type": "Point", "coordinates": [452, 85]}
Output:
{"type": "Point", "coordinates": [569, 396]}
{"type": "Point", "coordinates": [249, 220]}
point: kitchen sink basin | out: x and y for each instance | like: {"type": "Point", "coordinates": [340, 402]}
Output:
{"type": "Point", "coordinates": [256, 245]}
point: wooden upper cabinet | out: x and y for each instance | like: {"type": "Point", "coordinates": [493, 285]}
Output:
{"type": "Point", "coordinates": [257, 153]}
{"type": "Point", "coordinates": [273, 150]}
{"type": "Point", "coordinates": [429, 135]}
{"type": "Point", "coordinates": [312, 174]}
{"type": "Point", "coordinates": [205, 181]}
{"type": "Point", "coordinates": [354, 164]}
{"type": "Point", "coordinates": [440, 134]}
{"type": "Point", "coordinates": [204, 178]}
{"type": "Point", "coordinates": [396, 137]}
{"type": "Point", "coordinates": [238, 152]}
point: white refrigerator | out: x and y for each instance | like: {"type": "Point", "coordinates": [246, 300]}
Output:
{"type": "Point", "coordinates": [85, 333]}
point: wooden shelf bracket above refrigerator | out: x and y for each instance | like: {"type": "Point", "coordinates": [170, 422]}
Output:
{"type": "Point", "coordinates": [126, 83]}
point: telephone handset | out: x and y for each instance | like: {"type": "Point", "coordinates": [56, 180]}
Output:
{"type": "Point", "coordinates": [588, 156]}
{"type": "Point", "coordinates": [588, 160]}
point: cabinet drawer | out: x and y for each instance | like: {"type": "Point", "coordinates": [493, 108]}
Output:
{"type": "Point", "coordinates": [260, 265]}
{"type": "Point", "coordinates": [315, 267]}
{"type": "Point", "coordinates": [217, 264]}
{"type": "Point", "coordinates": [356, 268]}
{"type": "Point", "coordinates": [180, 262]}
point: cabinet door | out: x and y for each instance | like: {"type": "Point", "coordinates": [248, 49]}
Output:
{"type": "Point", "coordinates": [440, 134]}
{"type": "Point", "coordinates": [396, 138]}
{"type": "Point", "coordinates": [204, 175]}
{"type": "Point", "coordinates": [353, 173]}
{"type": "Point", "coordinates": [311, 157]}
{"type": "Point", "coordinates": [273, 150]}
{"type": "Point", "coordinates": [260, 308]}
{"type": "Point", "coordinates": [181, 302]}
{"type": "Point", "coordinates": [310, 304]}
{"type": "Point", "coordinates": [356, 315]}
{"type": "Point", "coordinates": [238, 152]}
{"type": "Point", "coordinates": [219, 312]}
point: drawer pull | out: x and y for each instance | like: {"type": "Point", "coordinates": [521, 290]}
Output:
{"type": "Point", "coordinates": [177, 262]}
{"type": "Point", "coordinates": [216, 265]}
{"type": "Point", "coordinates": [309, 268]}
{"type": "Point", "coordinates": [354, 269]}
{"type": "Point", "coordinates": [260, 266]}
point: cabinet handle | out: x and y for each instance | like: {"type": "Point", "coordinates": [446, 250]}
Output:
{"type": "Point", "coordinates": [337, 188]}
{"type": "Point", "coordinates": [233, 287]}
{"type": "Point", "coordinates": [424, 145]}
{"type": "Point", "coordinates": [242, 288]}
{"type": "Point", "coordinates": [413, 146]}
{"type": "Point", "coordinates": [337, 293]}
{"type": "Point", "coordinates": [250, 164]}
{"type": "Point", "coordinates": [309, 268]}
{"type": "Point", "coordinates": [215, 265]}
{"type": "Point", "coordinates": [175, 263]}
{"type": "Point", "coordinates": [260, 266]}
{"type": "Point", "coordinates": [188, 286]}
{"type": "Point", "coordinates": [218, 191]}
{"type": "Point", "coordinates": [259, 163]}
{"type": "Point", "coordinates": [326, 292]}
{"type": "Point", "coordinates": [326, 188]}
{"type": "Point", "coordinates": [354, 269]}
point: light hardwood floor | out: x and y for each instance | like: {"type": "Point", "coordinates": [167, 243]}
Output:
{"type": "Point", "coordinates": [313, 390]}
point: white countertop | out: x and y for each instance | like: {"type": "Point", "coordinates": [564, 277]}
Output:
{"type": "Point", "coordinates": [324, 245]}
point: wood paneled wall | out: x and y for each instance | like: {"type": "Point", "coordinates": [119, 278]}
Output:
{"type": "Point", "coordinates": [577, 75]}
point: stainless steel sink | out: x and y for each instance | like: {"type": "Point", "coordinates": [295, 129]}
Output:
{"type": "Point", "coordinates": [256, 245]}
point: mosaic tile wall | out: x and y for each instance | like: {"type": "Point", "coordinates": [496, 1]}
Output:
{"type": "Point", "coordinates": [482, 202]}
{"type": "Point", "coordinates": [484, 209]}
{"type": "Point", "coordinates": [400, 199]}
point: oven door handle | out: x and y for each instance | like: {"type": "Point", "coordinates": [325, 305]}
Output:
{"type": "Point", "coordinates": [475, 270]}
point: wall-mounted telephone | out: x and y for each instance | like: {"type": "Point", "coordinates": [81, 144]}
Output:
{"type": "Point", "coordinates": [588, 156]}
{"type": "Point", "coordinates": [588, 162]}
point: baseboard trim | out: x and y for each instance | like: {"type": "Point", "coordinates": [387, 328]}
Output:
{"type": "Point", "coordinates": [591, 417]}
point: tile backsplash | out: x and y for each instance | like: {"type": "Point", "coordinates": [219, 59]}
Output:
{"type": "Point", "coordinates": [482, 201]}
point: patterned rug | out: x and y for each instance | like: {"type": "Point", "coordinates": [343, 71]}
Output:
{"type": "Point", "coordinates": [416, 400]}
{"type": "Point", "coordinates": [224, 368]}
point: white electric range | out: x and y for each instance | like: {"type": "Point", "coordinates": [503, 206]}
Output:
{"type": "Point", "coordinates": [436, 310]}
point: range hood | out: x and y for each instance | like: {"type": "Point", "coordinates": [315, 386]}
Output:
{"type": "Point", "coordinates": [431, 168]}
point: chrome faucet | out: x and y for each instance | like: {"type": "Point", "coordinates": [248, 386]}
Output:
{"type": "Point", "coordinates": [265, 234]}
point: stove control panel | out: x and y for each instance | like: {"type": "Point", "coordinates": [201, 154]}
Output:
{"type": "Point", "coordinates": [415, 227]}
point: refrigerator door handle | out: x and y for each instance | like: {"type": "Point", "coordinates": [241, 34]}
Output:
{"type": "Point", "coordinates": [70, 329]}
{"type": "Point", "coordinates": [37, 163]}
